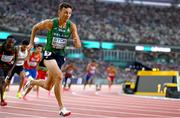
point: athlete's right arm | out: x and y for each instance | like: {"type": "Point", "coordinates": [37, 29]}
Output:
{"type": "Point", "coordinates": [46, 24]}
{"type": "Point", "coordinates": [88, 66]}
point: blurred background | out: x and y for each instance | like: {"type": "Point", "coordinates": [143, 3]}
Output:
{"type": "Point", "coordinates": [113, 32]}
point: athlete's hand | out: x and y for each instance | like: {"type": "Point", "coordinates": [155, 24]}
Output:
{"type": "Point", "coordinates": [30, 46]}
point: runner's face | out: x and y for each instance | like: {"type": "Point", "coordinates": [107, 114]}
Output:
{"type": "Point", "coordinates": [24, 47]}
{"type": "Point", "coordinates": [39, 49]}
{"type": "Point", "coordinates": [93, 63]}
{"type": "Point", "coordinates": [10, 43]}
{"type": "Point", "coordinates": [65, 13]}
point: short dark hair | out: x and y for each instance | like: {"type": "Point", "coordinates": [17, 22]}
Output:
{"type": "Point", "coordinates": [38, 45]}
{"type": "Point", "coordinates": [64, 5]}
{"type": "Point", "coordinates": [25, 42]}
{"type": "Point", "coordinates": [11, 37]}
{"type": "Point", "coordinates": [94, 61]}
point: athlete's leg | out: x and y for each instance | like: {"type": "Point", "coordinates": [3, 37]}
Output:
{"type": "Point", "coordinates": [90, 81]}
{"type": "Point", "coordinates": [54, 77]}
{"type": "Point", "coordinates": [86, 81]}
{"type": "Point", "coordinates": [1, 88]}
{"type": "Point", "coordinates": [46, 84]}
{"type": "Point", "coordinates": [7, 83]}
{"type": "Point", "coordinates": [2, 103]}
{"type": "Point", "coordinates": [65, 82]}
{"type": "Point", "coordinates": [22, 76]}
{"type": "Point", "coordinates": [54, 69]}
{"type": "Point", "coordinates": [37, 91]}
{"type": "Point", "coordinates": [28, 90]}
{"type": "Point", "coordinates": [58, 90]}
{"type": "Point", "coordinates": [70, 82]}
{"type": "Point", "coordinates": [7, 88]}
{"type": "Point", "coordinates": [110, 82]}
{"type": "Point", "coordinates": [8, 78]}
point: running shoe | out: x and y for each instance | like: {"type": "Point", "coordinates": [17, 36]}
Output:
{"type": "Point", "coordinates": [3, 103]}
{"type": "Point", "coordinates": [64, 112]}
{"type": "Point", "coordinates": [27, 86]}
{"type": "Point", "coordinates": [4, 95]}
{"type": "Point", "coordinates": [18, 95]}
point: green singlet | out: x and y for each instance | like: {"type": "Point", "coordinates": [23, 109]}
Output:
{"type": "Point", "coordinates": [57, 38]}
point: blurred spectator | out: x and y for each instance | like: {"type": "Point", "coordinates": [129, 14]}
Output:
{"type": "Point", "coordinates": [102, 21]}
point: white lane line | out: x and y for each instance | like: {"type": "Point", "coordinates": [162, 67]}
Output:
{"type": "Point", "coordinates": [53, 111]}
{"type": "Point", "coordinates": [123, 112]}
{"type": "Point", "coordinates": [106, 111]}
{"type": "Point", "coordinates": [109, 104]}
{"type": "Point", "coordinates": [48, 111]}
{"type": "Point", "coordinates": [117, 95]}
{"type": "Point", "coordinates": [139, 101]}
{"type": "Point", "coordinates": [20, 114]}
{"type": "Point", "coordinates": [128, 101]}
{"type": "Point", "coordinates": [123, 99]}
{"type": "Point", "coordinates": [153, 97]}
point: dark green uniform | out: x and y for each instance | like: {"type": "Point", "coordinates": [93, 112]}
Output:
{"type": "Point", "coordinates": [57, 39]}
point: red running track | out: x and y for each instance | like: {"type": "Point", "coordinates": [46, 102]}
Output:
{"type": "Point", "coordinates": [90, 104]}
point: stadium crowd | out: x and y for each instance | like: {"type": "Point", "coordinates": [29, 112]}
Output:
{"type": "Point", "coordinates": [98, 20]}
{"type": "Point", "coordinates": [123, 23]}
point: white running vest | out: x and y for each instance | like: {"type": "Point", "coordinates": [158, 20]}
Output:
{"type": "Point", "coordinates": [21, 57]}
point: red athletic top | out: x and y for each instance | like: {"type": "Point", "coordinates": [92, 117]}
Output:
{"type": "Point", "coordinates": [34, 60]}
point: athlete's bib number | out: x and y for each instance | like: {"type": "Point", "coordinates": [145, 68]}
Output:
{"type": "Point", "coordinates": [6, 58]}
{"type": "Point", "coordinates": [33, 63]}
{"type": "Point", "coordinates": [47, 53]}
{"type": "Point", "coordinates": [20, 62]}
{"type": "Point", "coordinates": [92, 71]}
{"type": "Point", "coordinates": [59, 43]}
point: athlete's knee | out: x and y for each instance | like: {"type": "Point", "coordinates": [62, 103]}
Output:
{"type": "Point", "coordinates": [7, 82]}
{"type": "Point", "coordinates": [48, 87]}
{"type": "Point", "coordinates": [58, 76]}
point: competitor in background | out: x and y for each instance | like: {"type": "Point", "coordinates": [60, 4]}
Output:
{"type": "Point", "coordinates": [7, 58]}
{"type": "Point", "coordinates": [22, 54]}
{"type": "Point", "coordinates": [69, 70]}
{"type": "Point", "coordinates": [111, 74]}
{"type": "Point", "coordinates": [91, 70]}
{"type": "Point", "coordinates": [42, 74]}
{"type": "Point", "coordinates": [31, 64]}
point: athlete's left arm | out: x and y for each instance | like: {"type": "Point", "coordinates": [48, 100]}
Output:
{"type": "Point", "coordinates": [16, 55]}
{"type": "Point", "coordinates": [97, 65]}
{"type": "Point", "coordinates": [16, 49]}
{"type": "Point", "coordinates": [75, 36]}
{"type": "Point", "coordinates": [116, 71]}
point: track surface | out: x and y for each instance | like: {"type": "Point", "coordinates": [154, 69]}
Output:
{"type": "Point", "coordinates": [90, 104]}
